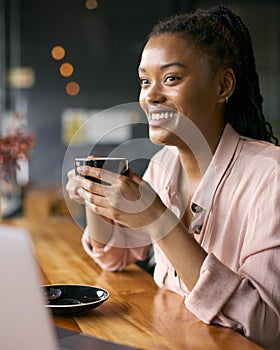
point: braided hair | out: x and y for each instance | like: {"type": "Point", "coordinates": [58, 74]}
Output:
{"type": "Point", "coordinates": [224, 38]}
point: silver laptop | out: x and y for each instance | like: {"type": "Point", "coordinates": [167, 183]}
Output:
{"type": "Point", "coordinates": [24, 321]}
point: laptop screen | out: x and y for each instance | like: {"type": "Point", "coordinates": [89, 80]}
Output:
{"type": "Point", "coordinates": [25, 323]}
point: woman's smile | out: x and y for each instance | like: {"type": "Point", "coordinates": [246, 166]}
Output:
{"type": "Point", "coordinates": [161, 115]}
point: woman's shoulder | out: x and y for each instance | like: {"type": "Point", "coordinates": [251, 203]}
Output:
{"type": "Point", "coordinates": [260, 149]}
{"type": "Point", "coordinates": [260, 156]}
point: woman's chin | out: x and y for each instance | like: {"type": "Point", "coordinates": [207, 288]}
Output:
{"type": "Point", "coordinates": [155, 141]}
{"type": "Point", "coordinates": [160, 137]}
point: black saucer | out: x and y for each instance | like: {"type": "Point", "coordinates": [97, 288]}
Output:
{"type": "Point", "coordinates": [75, 298]}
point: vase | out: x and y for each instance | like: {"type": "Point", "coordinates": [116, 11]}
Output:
{"type": "Point", "coordinates": [1, 186]}
{"type": "Point", "coordinates": [5, 189]}
{"type": "Point", "coordinates": [1, 201]}
{"type": "Point", "coordinates": [0, 207]}
{"type": "Point", "coordinates": [10, 193]}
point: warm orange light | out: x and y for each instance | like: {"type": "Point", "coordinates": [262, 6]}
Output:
{"type": "Point", "coordinates": [91, 4]}
{"type": "Point", "coordinates": [72, 88]}
{"type": "Point", "coordinates": [66, 69]}
{"type": "Point", "coordinates": [58, 52]}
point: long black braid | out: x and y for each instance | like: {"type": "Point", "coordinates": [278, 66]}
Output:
{"type": "Point", "coordinates": [224, 38]}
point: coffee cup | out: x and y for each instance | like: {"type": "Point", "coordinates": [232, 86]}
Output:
{"type": "Point", "coordinates": [116, 165]}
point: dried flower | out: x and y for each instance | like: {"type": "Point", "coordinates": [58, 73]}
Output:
{"type": "Point", "coordinates": [14, 146]}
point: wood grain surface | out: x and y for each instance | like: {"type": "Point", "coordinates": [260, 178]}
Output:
{"type": "Point", "coordinates": [137, 313]}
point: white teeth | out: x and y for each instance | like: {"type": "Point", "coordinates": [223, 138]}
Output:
{"type": "Point", "coordinates": [163, 115]}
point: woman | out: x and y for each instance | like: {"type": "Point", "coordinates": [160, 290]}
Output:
{"type": "Point", "coordinates": [214, 223]}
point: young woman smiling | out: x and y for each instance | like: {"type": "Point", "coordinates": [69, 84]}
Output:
{"type": "Point", "coordinates": [210, 199]}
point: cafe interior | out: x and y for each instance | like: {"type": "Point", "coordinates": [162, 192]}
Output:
{"type": "Point", "coordinates": [70, 66]}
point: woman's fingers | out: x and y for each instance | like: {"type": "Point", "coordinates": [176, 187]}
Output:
{"type": "Point", "coordinates": [92, 197]}
{"type": "Point", "coordinates": [90, 186]}
{"type": "Point", "coordinates": [103, 174]}
{"type": "Point", "coordinates": [72, 187]}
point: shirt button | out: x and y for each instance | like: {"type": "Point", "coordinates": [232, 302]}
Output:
{"type": "Point", "coordinates": [196, 208]}
{"type": "Point", "coordinates": [197, 229]}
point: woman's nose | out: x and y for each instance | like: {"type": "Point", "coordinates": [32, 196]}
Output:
{"type": "Point", "coordinates": [154, 94]}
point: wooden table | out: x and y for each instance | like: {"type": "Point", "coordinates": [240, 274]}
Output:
{"type": "Point", "coordinates": [138, 313]}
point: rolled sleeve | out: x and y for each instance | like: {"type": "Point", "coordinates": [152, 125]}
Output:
{"type": "Point", "coordinates": [223, 297]}
{"type": "Point", "coordinates": [112, 257]}
{"type": "Point", "coordinates": [213, 289]}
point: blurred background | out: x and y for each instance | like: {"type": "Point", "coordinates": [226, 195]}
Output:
{"type": "Point", "coordinates": [62, 61]}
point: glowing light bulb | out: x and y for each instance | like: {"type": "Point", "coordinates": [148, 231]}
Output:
{"type": "Point", "coordinates": [66, 69]}
{"type": "Point", "coordinates": [58, 52]}
{"type": "Point", "coordinates": [72, 88]}
{"type": "Point", "coordinates": [91, 4]}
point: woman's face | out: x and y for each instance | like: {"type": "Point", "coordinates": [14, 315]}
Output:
{"type": "Point", "coordinates": [177, 81]}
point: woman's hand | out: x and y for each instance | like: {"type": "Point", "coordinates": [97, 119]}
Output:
{"type": "Point", "coordinates": [129, 200]}
{"type": "Point", "coordinates": [73, 185]}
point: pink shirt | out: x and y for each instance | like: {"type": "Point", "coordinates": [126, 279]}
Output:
{"type": "Point", "coordinates": [236, 219]}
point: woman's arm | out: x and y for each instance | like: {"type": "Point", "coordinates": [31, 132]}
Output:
{"type": "Point", "coordinates": [248, 297]}
{"type": "Point", "coordinates": [99, 230]}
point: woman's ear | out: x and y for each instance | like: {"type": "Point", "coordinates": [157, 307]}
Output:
{"type": "Point", "coordinates": [227, 85]}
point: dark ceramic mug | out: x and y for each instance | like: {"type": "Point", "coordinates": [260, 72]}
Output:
{"type": "Point", "coordinates": [116, 165]}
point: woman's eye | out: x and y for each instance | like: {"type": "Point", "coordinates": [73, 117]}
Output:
{"type": "Point", "coordinates": [171, 78]}
{"type": "Point", "coordinates": [143, 81]}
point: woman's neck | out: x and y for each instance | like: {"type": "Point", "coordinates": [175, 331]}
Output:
{"type": "Point", "coordinates": [198, 153]}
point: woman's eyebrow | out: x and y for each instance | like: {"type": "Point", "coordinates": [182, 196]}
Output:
{"type": "Point", "coordinates": [167, 65]}
{"type": "Point", "coordinates": [176, 64]}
